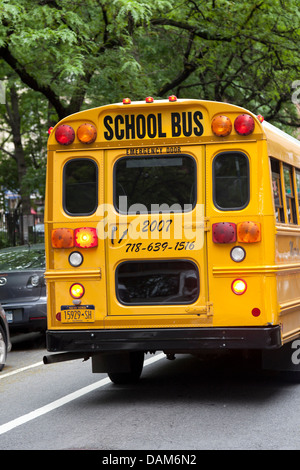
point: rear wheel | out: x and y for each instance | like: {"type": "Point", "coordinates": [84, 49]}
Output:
{"type": "Point", "coordinates": [136, 360]}
{"type": "Point", "coordinates": [3, 348]}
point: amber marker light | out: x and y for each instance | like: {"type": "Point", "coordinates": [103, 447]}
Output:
{"type": "Point", "coordinates": [221, 126]}
{"type": "Point", "coordinates": [77, 290]}
{"type": "Point", "coordinates": [239, 286]}
{"type": "Point", "coordinates": [62, 238]}
{"type": "Point", "coordinates": [85, 237]}
{"type": "Point", "coordinates": [248, 232]}
{"type": "Point", "coordinates": [87, 133]}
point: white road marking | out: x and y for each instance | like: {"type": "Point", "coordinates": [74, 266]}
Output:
{"type": "Point", "coordinates": [62, 401]}
{"type": "Point", "coordinates": [2, 376]}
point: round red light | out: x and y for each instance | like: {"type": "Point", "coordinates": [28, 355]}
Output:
{"type": "Point", "coordinates": [244, 124]}
{"type": "Point", "coordinates": [149, 99]}
{"type": "Point", "coordinates": [65, 135]}
{"type": "Point", "coordinates": [76, 290]}
{"type": "Point", "coordinates": [239, 286]}
{"type": "Point", "coordinates": [255, 312]}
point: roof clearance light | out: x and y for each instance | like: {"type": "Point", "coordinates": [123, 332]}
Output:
{"type": "Point", "coordinates": [76, 290]}
{"type": "Point", "coordinates": [62, 238]}
{"type": "Point", "coordinates": [260, 118]}
{"type": "Point", "coordinates": [248, 232]}
{"type": "Point", "coordinates": [244, 124]}
{"type": "Point", "coordinates": [86, 237]}
{"type": "Point", "coordinates": [221, 126]}
{"type": "Point", "coordinates": [126, 101]}
{"type": "Point", "coordinates": [172, 98]}
{"type": "Point", "coordinates": [149, 99]}
{"type": "Point", "coordinates": [65, 135]}
{"type": "Point", "coordinates": [87, 133]}
{"type": "Point", "coordinates": [239, 286]}
{"type": "Point", "coordinates": [224, 232]}
{"type": "Point", "coordinates": [50, 130]}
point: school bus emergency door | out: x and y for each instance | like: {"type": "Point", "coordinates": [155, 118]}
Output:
{"type": "Point", "coordinates": [156, 259]}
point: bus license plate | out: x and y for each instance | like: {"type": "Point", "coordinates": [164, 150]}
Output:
{"type": "Point", "coordinates": [80, 313]}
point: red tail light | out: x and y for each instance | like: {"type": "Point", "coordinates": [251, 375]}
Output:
{"type": "Point", "coordinates": [77, 290]}
{"type": "Point", "coordinates": [224, 232]}
{"type": "Point", "coordinates": [239, 286]}
{"type": "Point", "coordinates": [65, 135]}
{"type": "Point", "coordinates": [86, 237]}
{"type": "Point", "coordinates": [244, 124]}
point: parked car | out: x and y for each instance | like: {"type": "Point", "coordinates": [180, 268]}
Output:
{"type": "Point", "coordinates": [5, 344]}
{"type": "Point", "coordinates": [22, 287]}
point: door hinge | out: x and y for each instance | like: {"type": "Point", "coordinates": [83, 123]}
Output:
{"type": "Point", "coordinates": [206, 310]}
{"type": "Point", "coordinates": [201, 224]}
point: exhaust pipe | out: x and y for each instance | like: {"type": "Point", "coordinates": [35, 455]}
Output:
{"type": "Point", "coordinates": [62, 357]}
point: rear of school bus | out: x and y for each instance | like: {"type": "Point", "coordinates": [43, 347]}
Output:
{"type": "Point", "coordinates": [159, 233]}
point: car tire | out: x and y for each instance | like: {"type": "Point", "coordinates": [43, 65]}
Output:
{"type": "Point", "coordinates": [3, 348]}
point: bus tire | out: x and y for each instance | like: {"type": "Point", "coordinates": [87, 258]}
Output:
{"type": "Point", "coordinates": [3, 348]}
{"type": "Point", "coordinates": [133, 375]}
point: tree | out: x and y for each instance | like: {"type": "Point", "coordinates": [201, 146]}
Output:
{"type": "Point", "coordinates": [78, 54]}
{"type": "Point", "coordinates": [61, 56]}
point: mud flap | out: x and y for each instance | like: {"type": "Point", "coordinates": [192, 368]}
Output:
{"type": "Point", "coordinates": [285, 358]}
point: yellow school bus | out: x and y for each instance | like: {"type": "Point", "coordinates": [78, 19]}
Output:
{"type": "Point", "coordinates": [171, 225]}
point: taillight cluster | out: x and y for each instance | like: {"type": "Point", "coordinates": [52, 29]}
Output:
{"type": "Point", "coordinates": [243, 125]}
{"type": "Point", "coordinates": [244, 232]}
{"type": "Point", "coordinates": [84, 237]}
{"type": "Point", "coordinates": [86, 134]}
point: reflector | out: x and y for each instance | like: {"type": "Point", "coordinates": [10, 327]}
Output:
{"type": "Point", "coordinates": [65, 135]}
{"type": "Point", "coordinates": [255, 312]}
{"type": "Point", "coordinates": [87, 133]}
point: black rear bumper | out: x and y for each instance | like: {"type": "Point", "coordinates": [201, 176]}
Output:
{"type": "Point", "coordinates": [163, 339]}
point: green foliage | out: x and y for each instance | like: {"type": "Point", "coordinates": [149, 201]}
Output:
{"type": "Point", "coordinates": [68, 55]}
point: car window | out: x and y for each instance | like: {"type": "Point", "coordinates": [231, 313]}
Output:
{"type": "Point", "coordinates": [27, 258]}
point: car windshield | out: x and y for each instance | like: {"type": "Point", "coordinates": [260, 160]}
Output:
{"type": "Point", "coordinates": [22, 258]}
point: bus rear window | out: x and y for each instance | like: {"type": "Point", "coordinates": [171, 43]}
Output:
{"type": "Point", "coordinates": [80, 187]}
{"type": "Point", "coordinates": [155, 184]}
{"type": "Point", "coordinates": [231, 180]}
{"type": "Point", "coordinates": [157, 282]}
